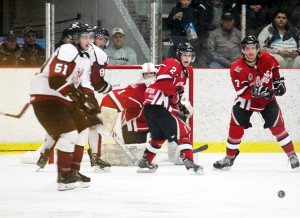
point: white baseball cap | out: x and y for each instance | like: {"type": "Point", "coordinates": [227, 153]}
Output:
{"type": "Point", "coordinates": [117, 30]}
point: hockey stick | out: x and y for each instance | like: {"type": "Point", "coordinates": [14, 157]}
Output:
{"type": "Point", "coordinates": [134, 161]}
{"type": "Point", "coordinates": [19, 115]}
{"type": "Point", "coordinates": [201, 148]}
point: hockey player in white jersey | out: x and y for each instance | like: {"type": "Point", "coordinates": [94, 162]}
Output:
{"type": "Point", "coordinates": [56, 96]}
{"type": "Point", "coordinates": [91, 81]}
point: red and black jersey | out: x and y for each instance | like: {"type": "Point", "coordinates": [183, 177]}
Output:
{"type": "Point", "coordinates": [170, 79]}
{"type": "Point", "coordinates": [244, 78]}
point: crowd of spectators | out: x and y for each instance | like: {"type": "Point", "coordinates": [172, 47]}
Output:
{"type": "Point", "coordinates": [217, 39]}
{"type": "Point", "coordinates": [203, 23]}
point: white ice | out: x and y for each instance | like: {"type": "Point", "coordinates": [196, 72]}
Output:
{"type": "Point", "coordinates": [249, 189]}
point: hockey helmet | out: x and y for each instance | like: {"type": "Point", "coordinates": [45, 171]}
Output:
{"type": "Point", "coordinates": [250, 41]}
{"type": "Point", "coordinates": [78, 28]}
{"type": "Point", "coordinates": [101, 32]}
{"type": "Point", "coordinates": [148, 72]}
{"type": "Point", "coordinates": [185, 48]}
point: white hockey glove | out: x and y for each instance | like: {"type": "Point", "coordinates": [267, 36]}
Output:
{"type": "Point", "coordinates": [186, 108]}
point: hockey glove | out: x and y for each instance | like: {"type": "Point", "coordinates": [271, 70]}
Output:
{"type": "Point", "coordinates": [279, 86]}
{"type": "Point", "coordinates": [90, 105]}
{"type": "Point", "coordinates": [76, 95]}
{"type": "Point", "coordinates": [186, 109]}
{"type": "Point", "coordinates": [263, 92]}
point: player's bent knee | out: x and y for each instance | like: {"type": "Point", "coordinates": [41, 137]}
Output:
{"type": "Point", "coordinates": [82, 137]}
{"type": "Point", "coordinates": [66, 141]}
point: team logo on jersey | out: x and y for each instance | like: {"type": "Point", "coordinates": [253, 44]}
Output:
{"type": "Point", "coordinates": [238, 69]}
{"type": "Point", "coordinates": [77, 78]}
{"type": "Point", "coordinates": [250, 77]}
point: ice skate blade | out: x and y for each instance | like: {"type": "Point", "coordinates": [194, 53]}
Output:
{"type": "Point", "coordinates": [197, 173]}
{"type": "Point", "coordinates": [98, 169]}
{"type": "Point", "coordinates": [80, 184]}
{"type": "Point", "coordinates": [65, 187]}
{"type": "Point", "coordinates": [222, 169]}
{"type": "Point", "coordinates": [145, 170]}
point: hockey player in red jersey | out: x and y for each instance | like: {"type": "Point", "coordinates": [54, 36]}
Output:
{"type": "Point", "coordinates": [257, 82]}
{"type": "Point", "coordinates": [161, 104]}
{"type": "Point", "coordinates": [56, 96]}
{"type": "Point", "coordinates": [129, 102]}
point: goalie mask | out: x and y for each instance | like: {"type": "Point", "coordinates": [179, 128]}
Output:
{"type": "Point", "coordinates": [148, 73]}
{"type": "Point", "coordinates": [101, 33]}
{"type": "Point", "coordinates": [250, 48]}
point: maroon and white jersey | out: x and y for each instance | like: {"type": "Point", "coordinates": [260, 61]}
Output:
{"type": "Point", "coordinates": [129, 101]}
{"type": "Point", "coordinates": [170, 78]}
{"type": "Point", "coordinates": [65, 62]}
{"type": "Point", "coordinates": [245, 77]}
{"type": "Point", "coordinates": [99, 60]}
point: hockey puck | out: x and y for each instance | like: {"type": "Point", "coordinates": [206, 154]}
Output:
{"type": "Point", "coordinates": [281, 194]}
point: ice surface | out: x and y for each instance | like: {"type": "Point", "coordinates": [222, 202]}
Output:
{"type": "Point", "coordinates": [249, 189]}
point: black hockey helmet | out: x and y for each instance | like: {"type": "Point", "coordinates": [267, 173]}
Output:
{"type": "Point", "coordinates": [185, 47]}
{"type": "Point", "coordinates": [250, 40]}
{"type": "Point", "coordinates": [101, 32]}
{"type": "Point", "coordinates": [79, 27]}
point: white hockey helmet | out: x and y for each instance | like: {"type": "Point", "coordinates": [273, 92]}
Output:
{"type": "Point", "coordinates": [148, 72]}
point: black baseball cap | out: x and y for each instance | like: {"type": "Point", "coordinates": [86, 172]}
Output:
{"type": "Point", "coordinates": [9, 34]}
{"type": "Point", "coordinates": [28, 30]}
{"type": "Point", "coordinates": [227, 15]}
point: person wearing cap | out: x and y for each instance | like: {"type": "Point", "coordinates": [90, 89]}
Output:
{"type": "Point", "coordinates": [9, 50]}
{"type": "Point", "coordinates": [32, 54]}
{"type": "Point", "coordinates": [223, 46]}
{"type": "Point", "coordinates": [118, 53]}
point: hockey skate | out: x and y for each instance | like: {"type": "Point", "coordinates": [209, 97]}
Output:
{"type": "Point", "coordinates": [82, 179]}
{"type": "Point", "coordinates": [97, 163]}
{"type": "Point", "coordinates": [66, 181]}
{"type": "Point", "coordinates": [225, 163]}
{"type": "Point", "coordinates": [146, 167]}
{"type": "Point", "coordinates": [293, 159]}
{"type": "Point", "coordinates": [193, 168]}
{"type": "Point", "coordinates": [44, 157]}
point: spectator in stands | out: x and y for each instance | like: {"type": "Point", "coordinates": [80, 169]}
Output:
{"type": "Point", "coordinates": [280, 39]}
{"type": "Point", "coordinates": [182, 21]}
{"type": "Point", "coordinates": [32, 55]}
{"type": "Point", "coordinates": [118, 53]}
{"type": "Point", "coordinates": [210, 12]}
{"type": "Point", "coordinates": [66, 37]}
{"type": "Point", "coordinates": [223, 47]}
{"type": "Point", "coordinates": [256, 14]}
{"type": "Point", "coordinates": [9, 50]}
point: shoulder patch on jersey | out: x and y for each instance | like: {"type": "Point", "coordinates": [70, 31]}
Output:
{"type": "Point", "coordinates": [67, 52]}
{"type": "Point", "coordinates": [237, 69]}
{"type": "Point", "coordinates": [99, 54]}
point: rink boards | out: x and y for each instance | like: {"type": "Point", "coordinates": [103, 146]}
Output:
{"type": "Point", "coordinates": [213, 96]}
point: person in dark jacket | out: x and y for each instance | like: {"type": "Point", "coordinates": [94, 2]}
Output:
{"type": "Point", "coordinates": [182, 21]}
{"type": "Point", "coordinates": [32, 54]}
{"type": "Point", "coordinates": [9, 50]}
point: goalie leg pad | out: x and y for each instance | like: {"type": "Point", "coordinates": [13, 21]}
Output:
{"type": "Point", "coordinates": [66, 141]}
{"type": "Point", "coordinates": [109, 117]}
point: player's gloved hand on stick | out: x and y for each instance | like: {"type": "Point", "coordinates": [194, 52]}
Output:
{"type": "Point", "coordinates": [279, 86]}
{"type": "Point", "coordinates": [90, 104]}
{"type": "Point", "coordinates": [186, 109]}
{"type": "Point", "coordinates": [174, 99]}
{"type": "Point", "coordinates": [262, 92]}
{"type": "Point", "coordinates": [76, 95]}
